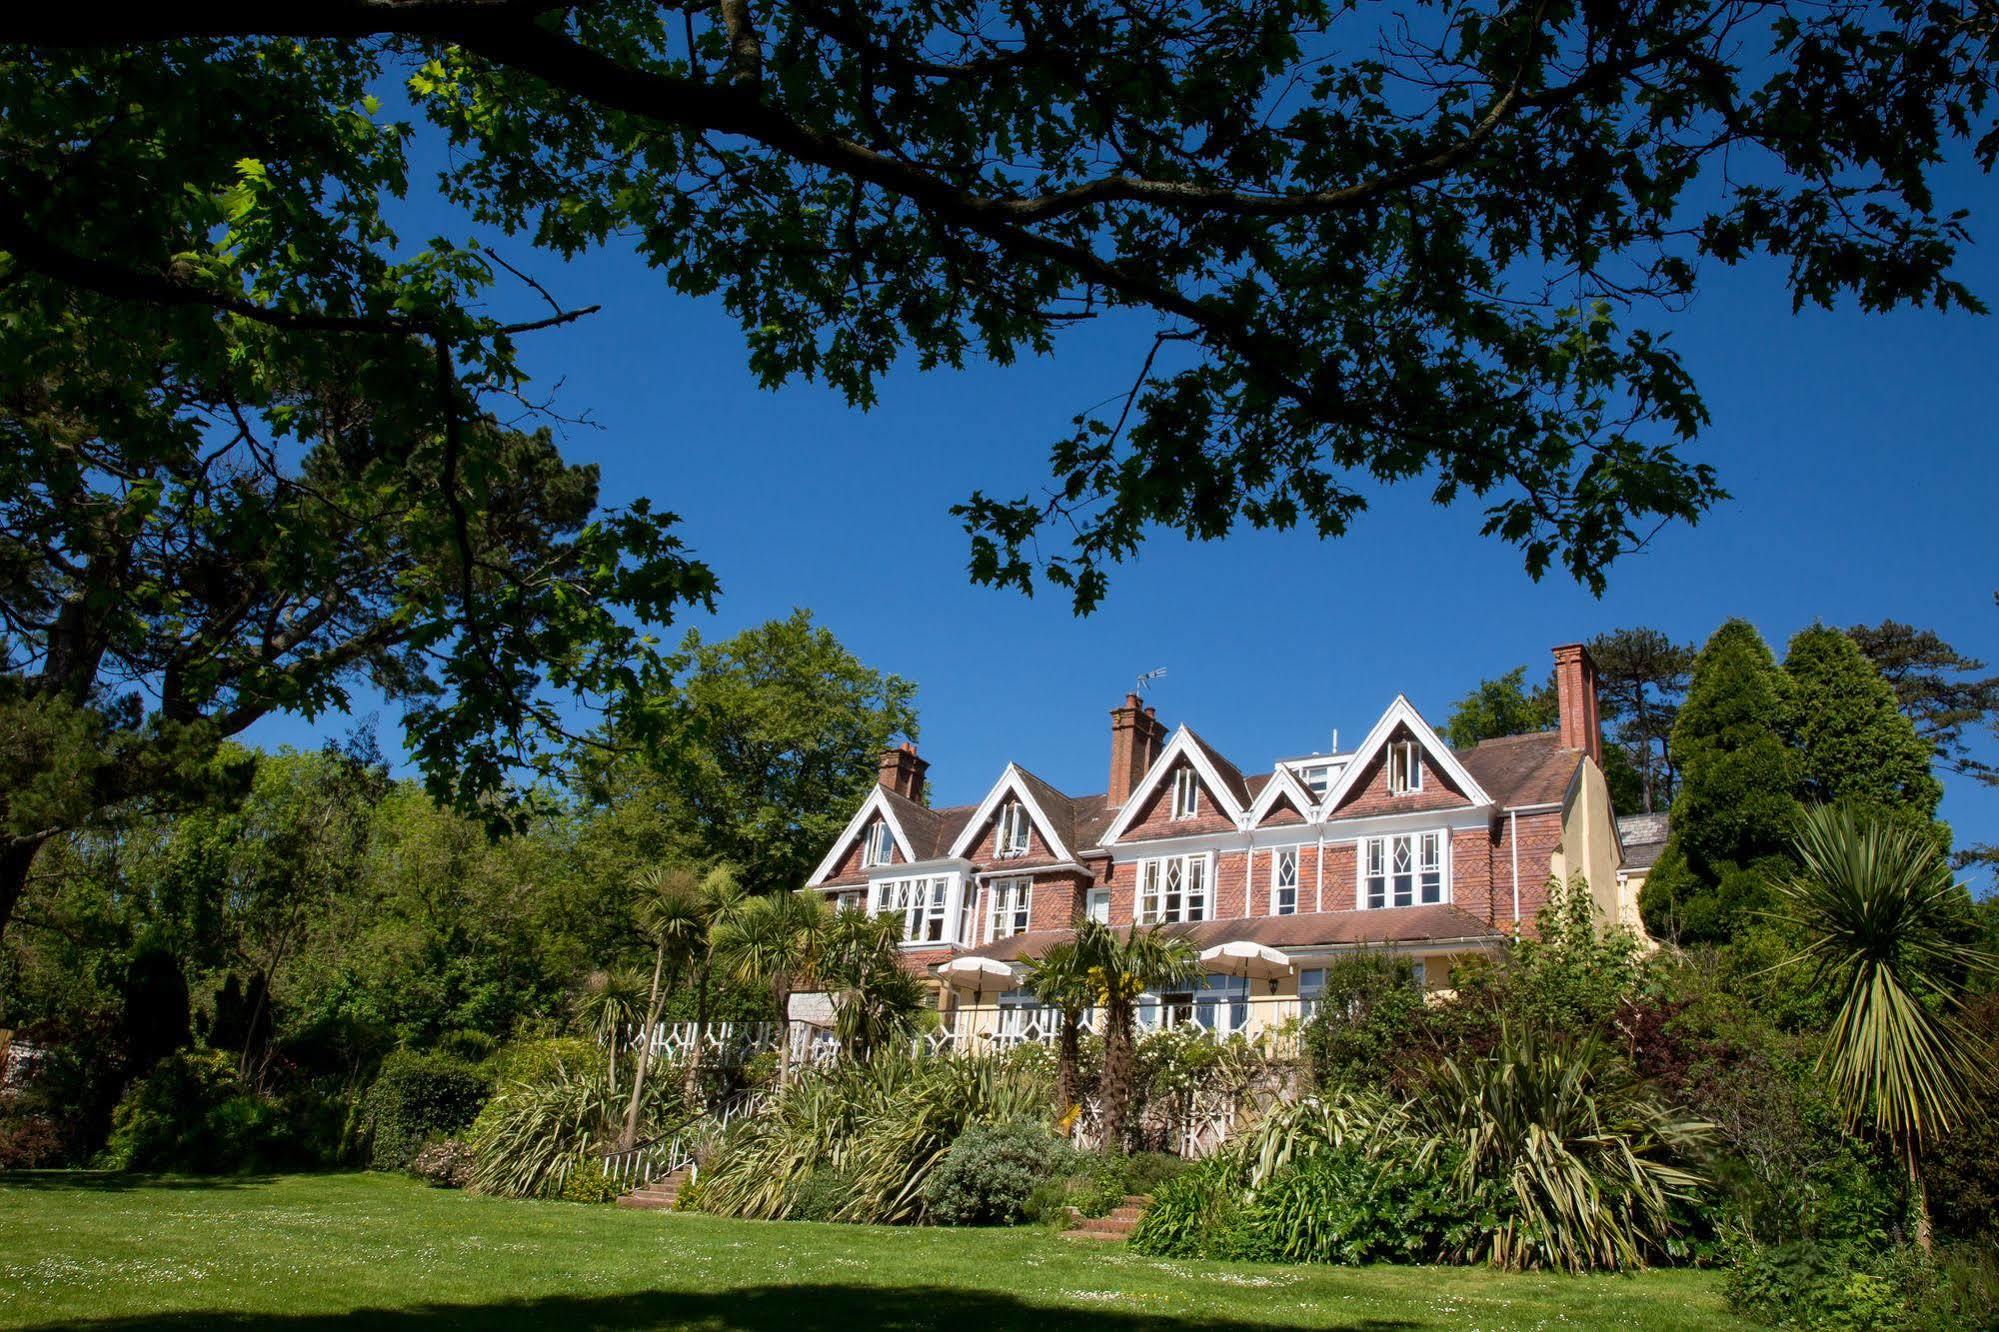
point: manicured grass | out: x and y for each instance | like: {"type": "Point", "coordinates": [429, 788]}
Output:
{"type": "Point", "coordinates": [303, 1252]}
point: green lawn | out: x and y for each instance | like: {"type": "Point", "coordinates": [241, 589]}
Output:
{"type": "Point", "coordinates": [304, 1252]}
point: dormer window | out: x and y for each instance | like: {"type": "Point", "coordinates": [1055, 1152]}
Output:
{"type": "Point", "coordinates": [1405, 767]}
{"type": "Point", "coordinates": [1317, 780]}
{"type": "Point", "coordinates": [1013, 830]}
{"type": "Point", "coordinates": [878, 847]}
{"type": "Point", "coordinates": [1186, 794]}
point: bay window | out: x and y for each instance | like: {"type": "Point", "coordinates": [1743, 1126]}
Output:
{"type": "Point", "coordinates": [1010, 902]}
{"type": "Point", "coordinates": [1402, 870]}
{"type": "Point", "coordinates": [923, 904]}
{"type": "Point", "coordinates": [1173, 888]}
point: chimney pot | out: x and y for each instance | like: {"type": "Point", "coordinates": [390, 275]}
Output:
{"type": "Point", "coordinates": [902, 771]}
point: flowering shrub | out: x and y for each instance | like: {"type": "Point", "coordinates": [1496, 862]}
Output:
{"type": "Point", "coordinates": [446, 1162]}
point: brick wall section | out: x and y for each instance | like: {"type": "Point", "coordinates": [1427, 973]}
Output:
{"type": "Point", "coordinates": [1226, 893]}
{"type": "Point", "coordinates": [981, 852]}
{"type": "Point", "coordinates": [1156, 819]}
{"type": "Point", "coordinates": [1282, 811]}
{"type": "Point", "coordinates": [1057, 902]}
{"type": "Point", "coordinates": [1370, 795]}
{"type": "Point", "coordinates": [1337, 891]}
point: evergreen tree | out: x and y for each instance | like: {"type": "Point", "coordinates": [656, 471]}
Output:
{"type": "Point", "coordinates": [1736, 806]}
{"type": "Point", "coordinates": [1641, 677]}
{"type": "Point", "coordinates": [1851, 741]}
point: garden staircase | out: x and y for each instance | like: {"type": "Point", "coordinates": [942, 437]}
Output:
{"type": "Point", "coordinates": [1118, 1226]}
{"type": "Point", "coordinates": [658, 1195]}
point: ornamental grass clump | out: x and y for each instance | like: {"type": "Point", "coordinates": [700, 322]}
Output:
{"type": "Point", "coordinates": [882, 1126]}
{"type": "Point", "coordinates": [539, 1128]}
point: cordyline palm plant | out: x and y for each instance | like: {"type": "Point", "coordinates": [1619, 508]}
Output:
{"type": "Point", "coordinates": [773, 941]}
{"type": "Point", "coordinates": [608, 1007]}
{"type": "Point", "coordinates": [1876, 904]}
{"type": "Point", "coordinates": [721, 893]}
{"type": "Point", "coordinates": [1122, 966]}
{"type": "Point", "coordinates": [674, 917]}
{"type": "Point", "coordinates": [1585, 1148]}
{"type": "Point", "coordinates": [859, 958]}
{"type": "Point", "coordinates": [1060, 978]}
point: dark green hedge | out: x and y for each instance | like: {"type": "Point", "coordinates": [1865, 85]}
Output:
{"type": "Point", "coordinates": [418, 1096]}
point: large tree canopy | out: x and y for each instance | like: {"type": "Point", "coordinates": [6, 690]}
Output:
{"type": "Point", "coordinates": [1379, 242]}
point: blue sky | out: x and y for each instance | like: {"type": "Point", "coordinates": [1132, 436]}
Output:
{"type": "Point", "coordinates": [1858, 450]}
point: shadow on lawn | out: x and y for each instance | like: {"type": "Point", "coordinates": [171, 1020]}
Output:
{"type": "Point", "coordinates": [753, 1309]}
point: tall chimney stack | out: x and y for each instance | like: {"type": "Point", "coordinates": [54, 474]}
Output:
{"type": "Point", "coordinates": [902, 772]}
{"type": "Point", "coordinates": [1575, 694]}
{"type": "Point", "coordinates": [1137, 737]}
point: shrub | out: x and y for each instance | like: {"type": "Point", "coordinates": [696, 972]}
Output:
{"type": "Point", "coordinates": [192, 1113]}
{"type": "Point", "coordinates": [822, 1195]}
{"type": "Point", "coordinates": [414, 1097]}
{"type": "Point", "coordinates": [587, 1183]}
{"type": "Point", "coordinates": [986, 1176]}
{"type": "Point", "coordinates": [1369, 1012]}
{"type": "Point", "coordinates": [446, 1162]}
{"type": "Point", "coordinates": [1095, 1183]}
{"type": "Point", "coordinates": [27, 1141]}
{"type": "Point", "coordinates": [1850, 1288]}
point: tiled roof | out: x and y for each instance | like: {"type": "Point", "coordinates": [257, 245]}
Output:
{"type": "Point", "coordinates": [1523, 769]}
{"type": "Point", "coordinates": [1230, 774]}
{"type": "Point", "coordinates": [1061, 811]}
{"type": "Point", "coordinates": [1302, 932]}
{"type": "Point", "coordinates": [930, 831]}
{"type": "Point", "coordinates": [1644, 837]}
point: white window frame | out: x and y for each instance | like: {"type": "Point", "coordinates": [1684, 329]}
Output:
{"type": "Point", "coordinates": [923, 902]}
{"type": "Point", "coordinates": [1317, 780]}
{"type": "Point", "coordinates": [1422, 859]}
{"type": "Point", "coordinates": [1173, 889]}
{"type": "Point", "coordinates": [1279, 858]}
{"type": "Point", "coordinates": [1096, 897]}
{"type": "Point", "coordinates": [1009, 909]}
{"type": "Point", "coordinates": [1405, 768]}
{"type": "Point", "coordinates": [1012, 834]}
{"type": "Point", "coordinates": [1186, 793]}
{"type": "Point", "coordinates": [878, 845]}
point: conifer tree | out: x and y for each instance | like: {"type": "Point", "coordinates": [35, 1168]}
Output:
{"type": "Point", "coordinates": [1736, 805]}
{"type": "Point", "coordinates": [1851, 741]}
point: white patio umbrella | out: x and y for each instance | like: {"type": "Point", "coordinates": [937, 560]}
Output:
{"type": "Point", "coordinates": [1244, 957]}
{"type": "Point", "coordinates": [975, 971]}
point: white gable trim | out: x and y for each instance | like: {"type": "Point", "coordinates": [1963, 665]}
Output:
{"type": "Point", "coordinates": [1009, 781]}
{"type": "Point", "coordinates": [1285, 782]}
{"type": "Point", "coordinates": [1401, 713]}
{"type": "Point", "coordinates": [876, 803]}
{"type": "Point", "coordinates": [1180, 746]}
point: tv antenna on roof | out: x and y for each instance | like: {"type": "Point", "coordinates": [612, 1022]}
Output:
{"type": "Point", "coordinates": [1147, 679]}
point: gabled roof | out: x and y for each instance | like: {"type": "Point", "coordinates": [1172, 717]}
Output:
{"type": "Point", "coordinates": [919, 831]}
{"type": "Point", "coordinates": [1047, 807]}
{"type": "Point", "coordinates": [1280, 784]}
{"type": "Point", "coordinates": [1221, 776]}
{"type": "Point", "coordinates": [1402, 713]}
{"type": "Point", "coordinates": [1524, 769]}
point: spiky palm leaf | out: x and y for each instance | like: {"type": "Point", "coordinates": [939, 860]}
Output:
{"type": "Point", "coordinates": [1875, 901]}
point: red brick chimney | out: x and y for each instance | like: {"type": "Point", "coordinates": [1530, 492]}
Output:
{"type": "Point", "coordinates": [902, 772]}
{"type": "Point", "coordinates": [1137, 737]}
{"type": "Point", "coordinates": [1575, 693]}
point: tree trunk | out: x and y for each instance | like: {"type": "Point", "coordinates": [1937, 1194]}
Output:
{"type": "Point", "coordinates": [1066, 1076]}
{"type": "Point", "coordinates": [1118, 1057]}
{"type": "Point", "coordinates": [657, 997]}
{"type": "Point", "coordinates": [17, 857]}
{"type": "Point", "coordinates": [1924, 1238]}
{"type": "Point", "coordinates": [693, 1083]}
{"type": "Point", "coordinates": [781, 992]}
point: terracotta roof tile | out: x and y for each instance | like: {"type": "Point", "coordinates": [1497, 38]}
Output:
{"type": "Point", "coordinates": [1523, 769]}
{"type": "Point", "coordinates": [1230, 774]}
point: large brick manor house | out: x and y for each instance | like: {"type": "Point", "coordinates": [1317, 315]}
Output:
{"type": "Point", "coordinates": [1400, 843]}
